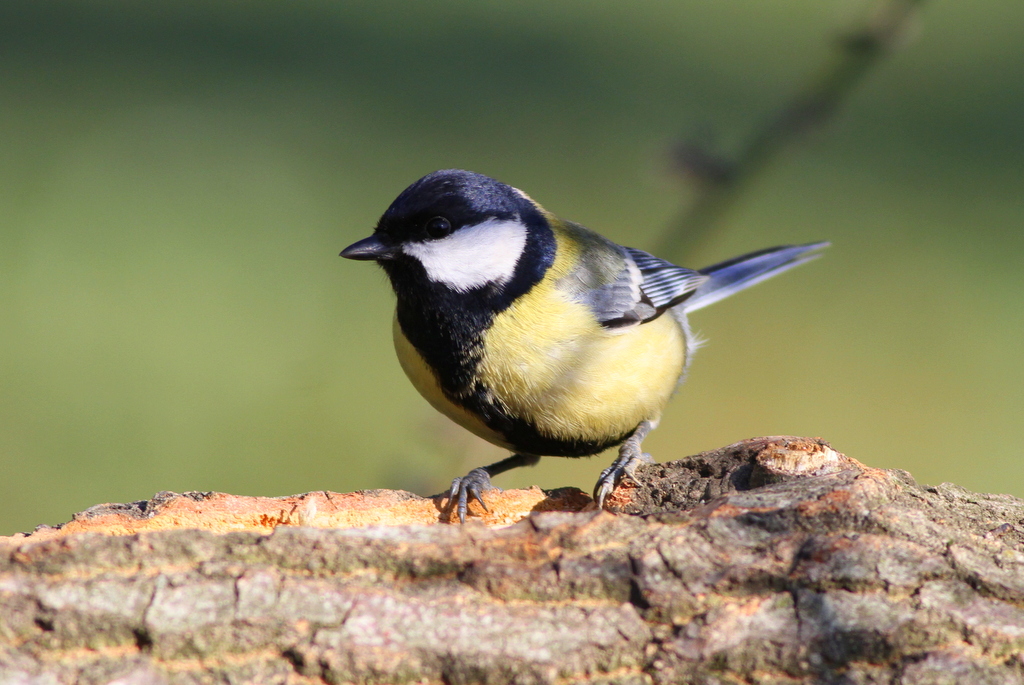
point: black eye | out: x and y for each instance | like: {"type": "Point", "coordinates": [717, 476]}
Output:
{"type": "Point", "coordinates": [438, 227]}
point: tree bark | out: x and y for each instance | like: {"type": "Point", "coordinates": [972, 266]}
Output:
{"type": "Point", "coordinates": [774, 560]}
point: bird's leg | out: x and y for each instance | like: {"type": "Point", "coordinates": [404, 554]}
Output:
{"type": "Point", "coordinates": [479, 480]}
{"type": "Point", "coordinates": [630, 456]}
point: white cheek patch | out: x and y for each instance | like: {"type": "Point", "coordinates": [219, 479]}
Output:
{"type": "Point", "coordinates": [472, 256]}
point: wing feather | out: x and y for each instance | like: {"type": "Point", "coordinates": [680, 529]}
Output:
{"type": "Point", "coordinates": [622, 286]}
{"type": "Point", "coordinates": [664, 283]}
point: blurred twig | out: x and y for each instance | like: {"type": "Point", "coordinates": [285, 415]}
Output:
{"type": "Point", "coordinates": [719, 180]}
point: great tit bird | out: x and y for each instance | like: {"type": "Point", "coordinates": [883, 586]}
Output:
{"type": "Point", "coordinates": [536, 333]}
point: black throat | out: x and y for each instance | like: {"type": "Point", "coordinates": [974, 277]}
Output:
{"type": "Point", "coordinates": [446, 326]}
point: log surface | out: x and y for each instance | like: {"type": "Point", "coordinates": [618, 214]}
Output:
{"type": "Point", "coordinates": [774, 560]}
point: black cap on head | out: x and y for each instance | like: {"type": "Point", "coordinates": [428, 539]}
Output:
{"type": "Point", "coordinates": [462, 197]}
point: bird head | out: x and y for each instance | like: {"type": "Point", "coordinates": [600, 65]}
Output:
{"type": "Point", "coordinates": [458, 229]}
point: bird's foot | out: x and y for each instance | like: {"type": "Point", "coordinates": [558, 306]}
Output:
{"type": "Point", "coordinates": [624, 466]}
{"type": "Point", "coordinates": [463, 489]}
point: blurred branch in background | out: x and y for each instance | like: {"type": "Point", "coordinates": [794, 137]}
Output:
{"type": "Point", "coordinates": [719, 180]}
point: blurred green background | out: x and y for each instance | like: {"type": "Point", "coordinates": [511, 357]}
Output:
{"type": "Point", "coordinates": [177, 179]}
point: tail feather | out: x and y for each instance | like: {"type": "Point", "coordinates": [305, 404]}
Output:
{"type": "Point", "coordinates": [734, 275]}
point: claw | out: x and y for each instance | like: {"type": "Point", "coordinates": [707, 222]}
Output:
{"type": "Point", "coordinates": [623, 467]}
{"type": "Point", "coordinates": [476, 495]}
{"type": "Point", "coordinates": [625, 464]}
{"type": "Point", "coordinates": [477, 481]}
{"type": "Point", "coordinates": [463, 505]}
{"type": "Point", "coordinates": [470, 486]}
{"type": "Point", "coordinates": [629, 470]}
{"type": "Point", "coordinates": [603, 488]}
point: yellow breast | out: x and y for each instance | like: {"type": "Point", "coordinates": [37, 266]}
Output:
{"type": "Point", "coordinates": [548, 360]}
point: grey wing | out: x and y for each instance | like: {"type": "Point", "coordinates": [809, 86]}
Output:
{"type": "Point", "coordinates": [663, 283]}
{"type": "Point", "coordinates": [620, 301]}
{"type": "Point", "coordinates": [642, 288]}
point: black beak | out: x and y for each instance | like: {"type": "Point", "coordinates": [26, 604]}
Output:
{"type": "Point", "coordinates": [367, 249]}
